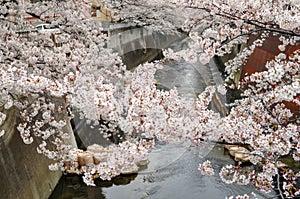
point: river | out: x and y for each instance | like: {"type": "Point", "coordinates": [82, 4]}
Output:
{"type": "Point", "coordinates": [172, 172]}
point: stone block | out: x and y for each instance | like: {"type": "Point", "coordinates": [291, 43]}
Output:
{"type": "Point", "coordinates": [95, 148]}
{"type": "Point", "coordinates": [130, 169]}
{"type": "Point", "coordinates": [85, 158]}
{"type": "Point", "coordinates": [100, 157]}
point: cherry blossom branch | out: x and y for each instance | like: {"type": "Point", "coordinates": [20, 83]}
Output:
{"type": "Point", "coordinates": [241, 35]}
{"type": "Point", "coordinates": [34, 15]}
{"type": "Point", "coordinates": [251, 22]}
{"type": "Point", "coordinates": [7, 20]}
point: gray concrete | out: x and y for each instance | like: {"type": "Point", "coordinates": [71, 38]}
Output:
{"type": "Point", "coordinates": [24, 172]}
{"type": "Point", "coordinates": [139, 45]}
{"type": "Point", "coordinates": [134, 39]}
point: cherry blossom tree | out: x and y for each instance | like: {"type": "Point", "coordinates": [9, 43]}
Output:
{"type": "Point", "coordinates": [261, 119]}
{"type": "Point", "coordinates": [43, 75]}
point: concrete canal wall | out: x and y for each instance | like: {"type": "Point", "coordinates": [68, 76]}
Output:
{"type": "Point", "coordinates": [24, 173]}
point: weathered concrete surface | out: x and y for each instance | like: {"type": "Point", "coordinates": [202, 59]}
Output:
{"type": "Point", "coordinates": [24, 172]}
{"type": "Point", "coordinates": [139, 45]}
{"type": "Point", "coordinates": [131, 39]}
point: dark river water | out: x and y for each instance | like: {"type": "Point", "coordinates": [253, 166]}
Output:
{"type": "Point", "coordinates": [171, 174]}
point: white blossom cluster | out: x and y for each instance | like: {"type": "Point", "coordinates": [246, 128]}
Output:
{"type": "Point", "coordinates": [206, 168]}
{"type": "Point", "coordinates": [42, 75]}
{"type": "Point", "coordinates": [121, 157]}
{"type": "Point", "coordinates": [41, 79]}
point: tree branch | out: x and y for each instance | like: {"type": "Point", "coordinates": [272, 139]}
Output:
{"type": "Point", "coordinates": [257, 24]}
{"type": "Point", "coordinates": [278, 182]}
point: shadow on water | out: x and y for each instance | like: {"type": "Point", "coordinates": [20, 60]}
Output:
{"type": "Point", "coordinates": [72, 186]}
{"type": "Point", "coordinates": [139, 56]}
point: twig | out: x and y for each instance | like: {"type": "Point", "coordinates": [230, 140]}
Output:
{"type": "Point", "coordinates": [250, 22]}
{"type": "Point", "coordinates": [278, 183]}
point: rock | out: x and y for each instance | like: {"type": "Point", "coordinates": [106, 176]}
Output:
{"type": "Point", "coordinates": [85, 158]}
{"type": "Point", "coordinates": [142, 162]}
{"type": "Point", "coordinates": [100, 157]}
{"type": "Point", "coordinates": [81, 158]}
{"type": "Point", "coordinates": [239, 153]}
{"type": "Point", "coordinates": [241, 157]}
{"type": "Point", "coordinates": [99, 152]}
{"type": "Point", "coordinates": [95, 148]}
{"type": "Point", "coordinates": [130, 169]}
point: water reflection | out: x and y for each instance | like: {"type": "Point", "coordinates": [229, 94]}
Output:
{"type": "Point", "coordinates": [72, 186]}
{"type": "Point", "coordinates": [181, 179]}
{"type": "Point", "coordinates": [189, 79]}
{"type": "Point", "coordinates": [171, 173]}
